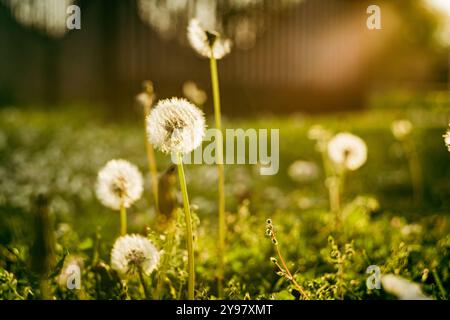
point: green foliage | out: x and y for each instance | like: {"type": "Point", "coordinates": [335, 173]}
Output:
{"type": "Point", "coordinates": [59, 155]}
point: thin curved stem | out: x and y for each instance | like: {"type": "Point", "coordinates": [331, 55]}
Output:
{"type": "Point", "coordinates": [151, 159]}
{"type": "Point", "coordinates": [294, 282]}
{"type": "Point", "coordinates": [189, 234]}
{"type": "Point", "coordinates": [221, 176]}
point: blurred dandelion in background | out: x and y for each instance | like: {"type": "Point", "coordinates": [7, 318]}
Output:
{"type": "Point", "coordinates": [401, 129]}
{"type": "Point", "coordinates": [146, 99]}
{"type": "Point", "coordinates": [402, 288]}
{"type": "Point", "coordinates": [194, 93]}
{"type": "Point", "coordinates": [207, 43]}
{"type": "Point", "coordinates": [49, 16]}
{"type": "Point", "coordinates": [348, 151]}
{"type": "Point", "coordinates": [303, 171]}
{"type": "Point", "coordinates": [447, 139]}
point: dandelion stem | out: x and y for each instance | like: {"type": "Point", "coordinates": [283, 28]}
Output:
{"type": "Point", "coordinates": [439, 284]}
{"type": "Point", "coordinates": [189, 235]}
{"type": "Point", "coordinates": [152, 165]}
{"type": "Point", "coordinates": [144, 285]}
{"type": "Point", "coordinates": [334, 192]}
{"type": "Point", "coordinates": [45, 289]}
{"type": "Point", "coordinates": [123, 220]}
{"type": "Point", "coordinates": [221, 176]}
{"type": "Point", "coordinates": [416, 174]}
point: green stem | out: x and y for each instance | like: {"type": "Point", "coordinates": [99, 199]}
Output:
{"type": "Point", "coordinates": [334, 193]}
{"type": "Point", "coordinates": [144, 285]}
{"type": "Point", "coordinates": [123, 220]}
{"type": "Point", "coordinates": [189, 235]}
{"type": "Point", "coordinates": [439, 284]}
{"type": "Point", "coordinates": [416, 174]}
{"type": "Point", "coordinates": [45, 289]}
{"type": "Point", "coordinates": [221, 176]}
{"type": "Point", "coordinates": [151, 159]}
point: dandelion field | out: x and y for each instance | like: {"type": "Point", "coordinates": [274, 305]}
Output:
{"type": "Point", "coordinates": [49, 162]}
{"type": "Point", "coordinates": [311, 164]}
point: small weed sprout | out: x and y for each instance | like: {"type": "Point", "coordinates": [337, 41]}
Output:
{"type": "Point", "coordinates": [283, 269]}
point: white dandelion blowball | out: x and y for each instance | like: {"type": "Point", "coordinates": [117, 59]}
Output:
{"type": "Point", "coordinates": [119, 183]}
{"type": "Point", "coordinates": [207, 43]}
{"type": "Point", "coordinates": [175, 125]}
{"type": "Point", "coordinates": [447, 139]}
{"type": "Point", "coordinates": [402, 288]}
{"type": "Point", "coordinates": [347, 150]}
{"type": "Point", "coordinates": [401, 128]}
{"type": "Point", "coordinates": [134, 253]}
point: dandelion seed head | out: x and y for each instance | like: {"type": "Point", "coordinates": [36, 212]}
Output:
{"type": "Point", "coordinates": [207, 43]}
{"type": "Point", "coordinates": [144, 99]}
{"type": "Point", "coordinates": [402, 288]}
{"type": "Point", "coordinates": [318, 132]}
{"type": "Point", "coordinates": [132, 253]}
{"type": "Point", "coordinates": [401, 129]}
{"type": "Point", "coordinates": [447, 139]}
{"type": "Point", "coordinates": [119, 183]}
{"type": "Point", "coordinates": [303, 171]}
{"type": "Point", "coordinates": [175, 125]}
{"type": "Point", "coordinates": [194, 93]}
{"type": "Point", "coordinates": [347, 150]}
{"type": "Point", "coordinates": [411, 229]}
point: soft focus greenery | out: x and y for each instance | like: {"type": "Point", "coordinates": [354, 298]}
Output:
{"type": "Point", "coordinates": [57, 155]}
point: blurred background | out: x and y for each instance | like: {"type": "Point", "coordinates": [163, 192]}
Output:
{"type": "Point", "coordinates": [288, 55]}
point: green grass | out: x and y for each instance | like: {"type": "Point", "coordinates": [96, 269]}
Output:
{"type": "Point", "coordinates": [59, 153]}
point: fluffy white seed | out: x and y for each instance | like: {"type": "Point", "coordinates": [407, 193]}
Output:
{"type": "Point", "coordinates": [401, 129]}
{"type": "Point", "coordinates": [207, 43]}
{"type": "Point", "coordinates": [175, 125]}
{"type": "Point", "coordinates": [447, 139]}
{"type": "Point", "coordinates": [119, 183]}
{"type": "Point", "coordinates": [347, 150]}
{"type": "Point", "coordinates": [402, 288]}
{"type": "Point", "coordinates": [132, 253]}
